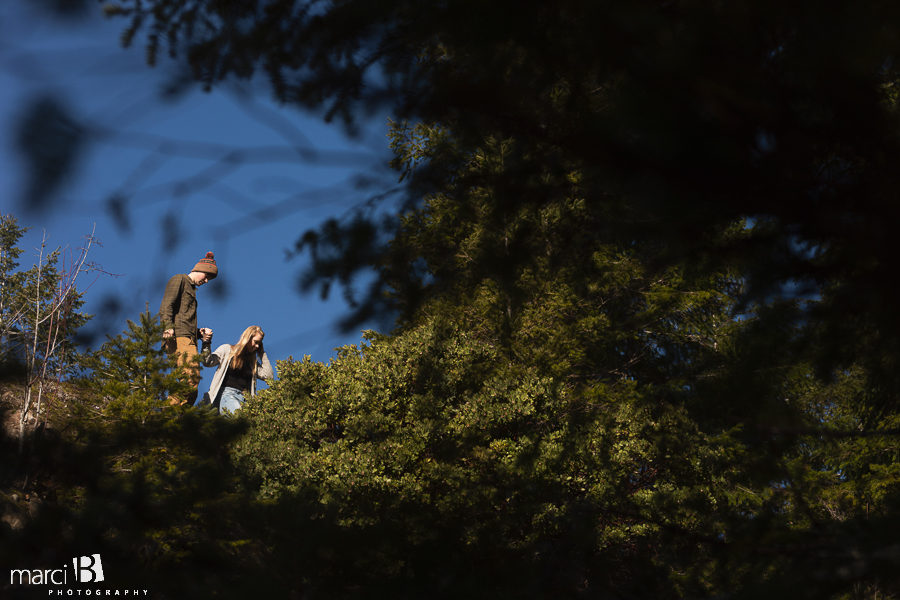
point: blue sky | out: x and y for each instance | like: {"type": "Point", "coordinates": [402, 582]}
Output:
{"type": "Point", "coordinates": [289, 171]}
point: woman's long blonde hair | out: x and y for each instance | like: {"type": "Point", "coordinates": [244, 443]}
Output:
{"type": "Point", "coordinates": [240, 351]}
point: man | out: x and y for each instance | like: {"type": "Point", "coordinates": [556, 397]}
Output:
{"type": "Point", "coordinates": [178, 313]}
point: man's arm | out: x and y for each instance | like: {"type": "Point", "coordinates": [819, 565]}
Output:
{"type": "Point", "coordinates": [169, 305]}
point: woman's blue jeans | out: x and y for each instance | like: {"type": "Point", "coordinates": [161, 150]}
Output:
{"type": "Point", "coordinates": [230, 400]}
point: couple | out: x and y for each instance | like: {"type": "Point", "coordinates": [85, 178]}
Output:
{"type": "Point", "coordinates": [239, 365]}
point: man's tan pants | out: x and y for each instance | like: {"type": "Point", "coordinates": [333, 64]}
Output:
{"type": "Point", "coordinates": [187, 358]}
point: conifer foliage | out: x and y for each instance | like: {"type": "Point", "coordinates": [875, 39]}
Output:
{"type": "Point", "coordinates": [133, 372]}
{"type": "Point", "coordinates": [39, 317]}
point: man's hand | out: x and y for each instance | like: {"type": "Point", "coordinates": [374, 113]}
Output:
{"type": "Point", "coordinates": [168, 333]}
{"type": "Point", "coordinates": [206, 334]}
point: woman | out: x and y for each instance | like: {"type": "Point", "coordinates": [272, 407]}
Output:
{"type": "Point", "coordinates": [239, 365]}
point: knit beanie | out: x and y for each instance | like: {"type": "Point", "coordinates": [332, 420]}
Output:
{"type": "Point", "coordinates": [207, 265]}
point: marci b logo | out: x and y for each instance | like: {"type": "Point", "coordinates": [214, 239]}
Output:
{"type": "Point", "coordinates": [88, 569]}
